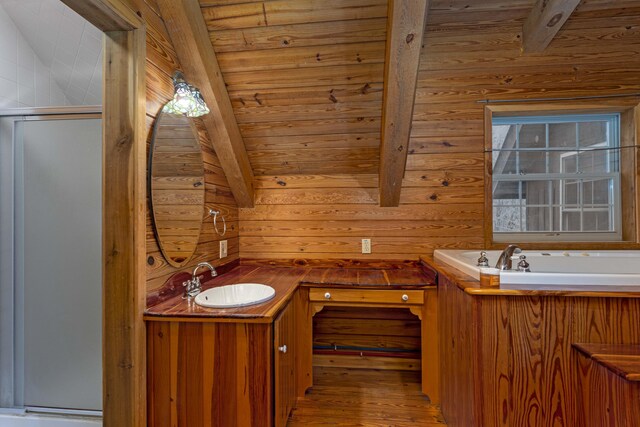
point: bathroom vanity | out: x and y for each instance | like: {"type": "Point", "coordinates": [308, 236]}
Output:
{"type": "Point", "coordinates": [246, 366]}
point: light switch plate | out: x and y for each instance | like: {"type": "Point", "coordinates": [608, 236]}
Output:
{"type": "Point", "coordinates": [223, 248]}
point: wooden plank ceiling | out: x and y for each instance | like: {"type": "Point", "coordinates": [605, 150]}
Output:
{"type": "Point", "coordinates": [305, 77]}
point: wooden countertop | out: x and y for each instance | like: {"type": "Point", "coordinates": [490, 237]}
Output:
{"type": "Point", "coordinates": [472, 286]}
{"type": "Point", "coordinates": [285, 280]}
{"type": "Point", "coordinates": [622, 359]}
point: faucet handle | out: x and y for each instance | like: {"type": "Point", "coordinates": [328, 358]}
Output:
{"type": "Point", "coordinates": [483, 261]}
{"type": "Point", "coordinates": [523, 265]}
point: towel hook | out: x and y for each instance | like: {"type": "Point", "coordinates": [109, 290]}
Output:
{"type": "Point", "coordinates": [215, 213]}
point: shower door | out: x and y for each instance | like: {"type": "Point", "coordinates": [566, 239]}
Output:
{"type": "Point", "coordinates": [57, 259]}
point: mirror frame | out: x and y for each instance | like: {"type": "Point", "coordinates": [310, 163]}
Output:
{"type": "Point", "coordinates": [154, 221]}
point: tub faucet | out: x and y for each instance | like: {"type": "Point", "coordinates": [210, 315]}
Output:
{"type": "Point", "coordinates": [504, 261]}
{"type": "Point", "coordinates": [193, 286]}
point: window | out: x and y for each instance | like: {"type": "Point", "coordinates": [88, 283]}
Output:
{"type": "Point", "coordinates": [556, 178]}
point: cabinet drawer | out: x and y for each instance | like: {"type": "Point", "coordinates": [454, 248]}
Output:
{"type": "Point", "coordinates": [366, 296]}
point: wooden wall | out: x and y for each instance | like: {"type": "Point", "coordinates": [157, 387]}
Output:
{"type": "Point", "coordinates": [161, 64]}
{"type": "Point", "coordinates": [305, 82]}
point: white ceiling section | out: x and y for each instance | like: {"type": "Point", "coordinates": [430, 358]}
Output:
{"type": "Point", "coordinates": [63, 41]}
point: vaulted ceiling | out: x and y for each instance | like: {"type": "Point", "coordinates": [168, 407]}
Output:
{"type": "Point", "coordinates": [305, 78]}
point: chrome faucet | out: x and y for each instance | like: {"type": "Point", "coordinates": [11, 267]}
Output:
{"type": "Point", "coordinates": [504, 261]}
{"type": "Point", "coordinates": [193, 287]}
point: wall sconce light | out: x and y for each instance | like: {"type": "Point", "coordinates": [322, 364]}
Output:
{"type": "Point", "coordinates": [187, 100]}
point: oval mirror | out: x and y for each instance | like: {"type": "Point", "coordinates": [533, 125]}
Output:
{"type": "Point", "coordinates": [176, 187]}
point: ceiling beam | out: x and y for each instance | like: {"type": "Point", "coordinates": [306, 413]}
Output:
{"type": "Point", "coordinates": [190, 37]}
{"type": "Point", "coordinates": [543, 23]}
{"type": "Point", "coordinates": [406, 22]}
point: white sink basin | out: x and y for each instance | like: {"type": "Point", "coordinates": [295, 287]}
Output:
{"type": "Point", "coordinates": [238, 295]}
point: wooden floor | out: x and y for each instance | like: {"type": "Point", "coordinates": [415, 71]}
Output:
{"type": "Point", "coordinates": [365, 397]}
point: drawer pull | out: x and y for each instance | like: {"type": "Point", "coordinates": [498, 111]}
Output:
{"type": "Point", "coordinates": [282, 349]}
{"type": "Point", "coordinates": [405, 297]}
{"type": "Point", "coordinates": [327, 296]}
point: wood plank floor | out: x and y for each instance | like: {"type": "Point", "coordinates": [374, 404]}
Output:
{"type": "Point", "coordinates": [365, 397]}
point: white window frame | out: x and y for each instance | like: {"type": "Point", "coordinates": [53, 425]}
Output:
{"type": "Point", "coordinates": [615, 206]}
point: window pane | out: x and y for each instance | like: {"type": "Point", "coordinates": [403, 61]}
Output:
{"type": "Point", "coordinates": [533, 136]}
{"type": "Point", "coordinates": [506, 190]}
{"type": "Point", "coordinates": [535, 192]}
{"type": "Point", "coordinates": [571, 221]}
{"type": "Point", "coordinates": [562, 135]}
{"type": "Point", "coordinates": [558, 160]}
{"type": "Point", "coordinates": [504, 137]}
{"type": "Point", "coordinates": [568, 163]}
{"type": "Point", "coordinates": [595, 161]}
{"type": "Point", "coordinates": [506, 217]}
{"type": "Point", "coordinates": [532, 162]}
{"type": "Point", "coordinates": [596, 221]}
{"type": "Point", "coordinates": [504, 162]}
{"type": "Point", "coordinates": [592, 133]}
{"type": "Point", "coordinates": [570, 192]}
{"type": "Point", "coordinates": [601, 191]}
{"type": "Point", "coordinates": [587, 192]}
{"type": "Point", "coordinates": [538, 218]}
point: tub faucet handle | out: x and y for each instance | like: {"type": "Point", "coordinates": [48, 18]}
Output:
{"type": "Point", "coordinates": [523, 265]}
{"type": "Point", "coordinates": [483, 261]}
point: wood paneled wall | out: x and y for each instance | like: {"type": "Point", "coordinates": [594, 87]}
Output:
{"type": "Point", "coordinates": [161, 64]}
{"type": "Point", "coordinates": [209, 374]}
{"type": "Point", "coordinates": [508, 361]}
{"type": "Point", "coordinates": [307, 95]}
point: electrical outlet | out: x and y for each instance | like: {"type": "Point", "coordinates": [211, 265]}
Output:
{"type": "Point", "coordinates": [366, 246]}
{"type": "Point", "coordinates": [223, 248]}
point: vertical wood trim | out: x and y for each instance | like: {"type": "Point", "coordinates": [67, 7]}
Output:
{"type": "Point", "coordinates": [174, 339]}
{"type": "Point", "coordinates": [244, 408]}
{"type": "Point", "coordinates": [406, 22]}
{"type": "Point", "coordinates": [543, 23]}
{"type": "Point", "coordinates": [124, 203]}
{"type": "Point", "coordinates": [636, 180]}
{"type": "Point", "coordinates": [304, 343]}
{"type": "Point", "coordinates": [188, 32]}
{"type": "Point", "coordinates": [430, 347]}
{"type": "Point", "coordinates": [488, 177]}
{"type": "Point", "coordinates": [628, 175]}
{"type": "Point", "coordinates": [208, 359]}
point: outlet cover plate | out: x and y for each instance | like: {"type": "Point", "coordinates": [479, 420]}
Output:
{"type": "Point", "coordinates": [366, 246]}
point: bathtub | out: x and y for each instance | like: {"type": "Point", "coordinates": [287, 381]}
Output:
{"type": "Point", "coordinates": [556, 268]}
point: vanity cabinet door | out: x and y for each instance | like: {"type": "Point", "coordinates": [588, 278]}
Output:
{"type": "Point", "coordinates": [284, 365]}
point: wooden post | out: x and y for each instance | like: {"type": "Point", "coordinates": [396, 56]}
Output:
{"type": "Point", "coordinates": [124, 203]}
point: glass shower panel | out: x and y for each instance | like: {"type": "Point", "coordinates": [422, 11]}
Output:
{"type": "Point", "coordinates": [59, 259]}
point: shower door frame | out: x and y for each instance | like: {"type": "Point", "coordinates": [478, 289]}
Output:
{"type": "Point", "coordinates": [12, 291]}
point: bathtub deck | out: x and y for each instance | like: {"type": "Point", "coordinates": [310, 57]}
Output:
{"type": "Point", "coordinates": [365, 397]}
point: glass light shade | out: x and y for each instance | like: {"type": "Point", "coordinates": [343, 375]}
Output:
{"type": "Point", "coordinates": [187, 100]}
